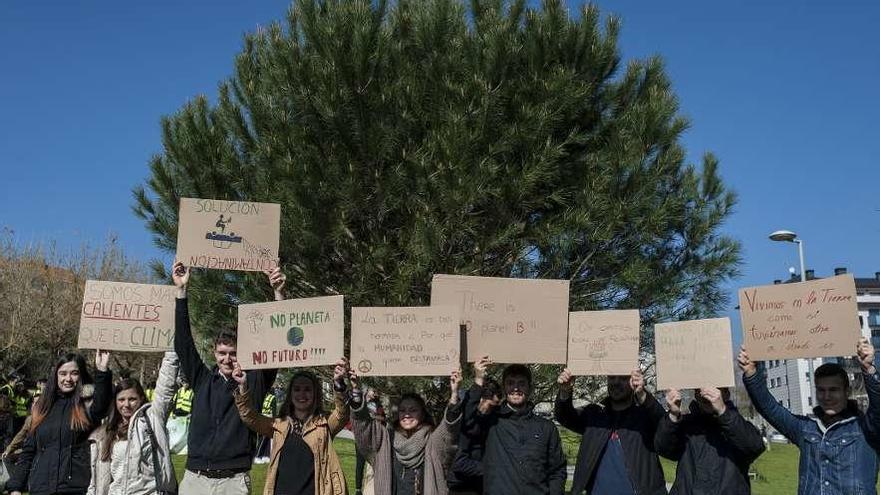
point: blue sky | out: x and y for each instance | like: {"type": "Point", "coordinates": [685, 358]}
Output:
{"type": "Point", "coordinates": [784, 93]}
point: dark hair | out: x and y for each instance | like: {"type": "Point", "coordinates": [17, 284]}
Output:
{"type": "Point", "coordinates": [287, 408]}
{"type": "Point", "coordinates": [426, 416]}
{"type": "Point", "coordinates": [491, 389]}
{"type": "Point", "coordinates": [829, 370]}
{"type": "Point", "coordinates": [79, 418]}
{"type": "Point", "coordinates": [517, 370]}
{"type": "Point", "coordinates": [112, 432]}
{"type": "Point", "coordinates": [227, 336]}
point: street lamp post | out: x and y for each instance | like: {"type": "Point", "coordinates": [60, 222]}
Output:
{"type": "Point", "coordinates": [789, 236]}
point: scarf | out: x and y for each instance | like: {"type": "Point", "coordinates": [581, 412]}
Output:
{"type": "Point", "coordinates": [410, 452]}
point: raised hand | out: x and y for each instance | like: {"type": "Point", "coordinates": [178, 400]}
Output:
{"type": "Point", "coordinates": [180, 274]}
{"type": "Point", "coordinates": [276, 280]}
{"type": "Point", "coordinates": [747, 366]}
{"type": "Point", "coordinates": [102, 359]}
{"type": "Point", "coordinates": [713, 395]}
{"type": "Point", "coordinates": [637, 383]}
{"type": "Point", "coordinates": [239, 376]}
{"type": "Point", "coordinates": [454, 382]}
{"type": "Point", "coordinates": [865, 355]}
{"type": "Point", "coordinates": [480, 369]}
{"type": "Point", "coordinates": [566, 383]}
{"type": "Point", "coordinates": [673, 402]}
{"type": "Point", "coordinates": [341, 370]}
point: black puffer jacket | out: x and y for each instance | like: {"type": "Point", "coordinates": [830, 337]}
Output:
{"type": "Point", "coordinates": [713, 452]}
{"type": "Point", "coordinates": [523, 454]}
{"type": "Point", "coordinates": [635, 426]}
{"type": "Point", "coordinates": [55, 459]}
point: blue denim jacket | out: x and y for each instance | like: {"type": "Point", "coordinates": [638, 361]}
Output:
{"type": "Point", "coordinates": [838, 460]}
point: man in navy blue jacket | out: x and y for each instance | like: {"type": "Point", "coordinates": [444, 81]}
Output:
{"type": "Point", "coordinates": [219, 447]}
{"type": "Point", "coordinates": [839, 446]}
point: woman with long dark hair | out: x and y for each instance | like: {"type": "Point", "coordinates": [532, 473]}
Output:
{"type": "Point", "coordinates": [303, 460]}
{"type": "Point", "coordinates": [55, 458]}
{"type": "Point", "coordinates": [130, 452]}
{"type": "Point", "coordinates": [411, 455]}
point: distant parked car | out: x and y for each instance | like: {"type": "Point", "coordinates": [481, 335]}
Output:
{"type": "Point", "coordinates": [778, 438]}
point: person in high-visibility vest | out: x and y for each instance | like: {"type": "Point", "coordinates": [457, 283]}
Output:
{"type": "Point", "coordinates": [269, 404]}
{"type": "Point", "coordinates": [15, 391]}
{"type": "Point", "coordinates": [183, 401]}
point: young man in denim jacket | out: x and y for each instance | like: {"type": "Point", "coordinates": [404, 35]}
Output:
{"type": "Point", "coordinates": [839, 446]}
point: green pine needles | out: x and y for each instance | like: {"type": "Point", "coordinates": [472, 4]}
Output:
{"type": "Point", "coordinates": [409, 138]}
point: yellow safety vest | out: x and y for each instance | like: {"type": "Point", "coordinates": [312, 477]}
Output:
{"type": "Point", "coordinates": [150, 393]}
{"type": "Point", "coordinates": [21, 406]}
{"type": "Point", "coordinates": [269, 404]}
{"type": "Point", "coordinates": [20, 401]}
{"type": "Point", "coordinates": [184, 399]}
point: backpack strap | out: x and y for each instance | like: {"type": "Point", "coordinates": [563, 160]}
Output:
{"type": "Point", "coordinates": [155, 455]}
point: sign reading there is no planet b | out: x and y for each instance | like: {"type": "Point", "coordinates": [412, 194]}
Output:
{"type": "Point", "coordinates": [120, 316]}
{"type": "Point", "coordinates": [294, 333]}
{"type": "Point", "coordinates": [228, 235]}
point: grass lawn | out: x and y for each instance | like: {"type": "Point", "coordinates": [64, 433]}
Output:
{"type": "Point", "coordinates": [776, 470]}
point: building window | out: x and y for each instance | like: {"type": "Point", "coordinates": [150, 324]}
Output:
{"type": "Point", "coordinates": [874, 317]}
{"type": "Point", "coordinates": [810, 401]}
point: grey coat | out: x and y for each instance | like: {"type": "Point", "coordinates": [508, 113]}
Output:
{"type": "Point", "coordinates": [373, 441]}
{"type": "Point", "coordinates": [140, 477]}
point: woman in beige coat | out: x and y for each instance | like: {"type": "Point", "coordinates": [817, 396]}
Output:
{"type": "Point", "coordinates": [302, 435]}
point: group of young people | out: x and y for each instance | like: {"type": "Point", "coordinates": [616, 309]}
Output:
{"type": "Point", "coordinates": [489, 439]}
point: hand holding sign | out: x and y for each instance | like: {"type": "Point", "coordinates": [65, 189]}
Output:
{"type": "Point", "coordinates": [746, 364]}
{"type": "Point", "coordinates": [715, 398]}
{"type": "Point", "coordinates": [637, 383]}
{"type": "Point", "coordinates": [454, 382]}
{"type": "Point", "coordinates": [673, 403]}
{"type": "Point", "coordinates": [276, 280]}
{"type": "Point", "coordinates": [566, 383]}
{"type": "Point", "coordinates": [180, 275]}
{"type": "Point", "coordinates": [240, 377]}
{"type": "Point", "coordinates": [102, 359]}
{"type": "Point", "coordinates": [341, 370]}
{"type": "Point", "coordinates": [480, 368]}
{"type": "Point", "coordinates": [865, 355]}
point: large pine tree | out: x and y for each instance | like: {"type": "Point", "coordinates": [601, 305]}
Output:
{"type": "Point", "coordinates": [430, 136]}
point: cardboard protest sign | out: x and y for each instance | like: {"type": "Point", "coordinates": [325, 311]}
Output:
{"type": "Point", "coordinates": [512, 320]}
{"type": "Point", "coordinates": [694, 354]}
{"type": "Point", "coordinates": [415, 341]}
{"type": "Point", "coordinates": [293, 333]}
{"type": "Point", "coordinates": [120, 316]}
{"type": "Point", "coordinates": [228, 235]}
{"type": "Point", "coordinates": [603, 342]}
{"type": "Point", "coordinates": [818, 318]}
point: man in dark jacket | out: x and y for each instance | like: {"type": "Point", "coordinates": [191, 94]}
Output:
{"type": "Point", "coordinates": [523, 453]}
{"type": "Point", "coordinates": [219, 446]}
{"type": "Point", "coordinates": [617, 453]}
{"type": "Point", "coordinates": [466, 474]}
{"type": "Point", "coordinates": [714, 445]}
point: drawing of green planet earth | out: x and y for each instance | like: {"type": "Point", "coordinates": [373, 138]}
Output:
{"type": "Point", "coordinates": [295, 336]}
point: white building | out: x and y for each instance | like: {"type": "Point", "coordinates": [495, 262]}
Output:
{"type": "Point", "coordinates": [791, 381]}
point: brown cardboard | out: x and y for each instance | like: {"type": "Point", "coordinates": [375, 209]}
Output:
{"type": "Point", "coordinates": [818, 318]}
{"type": "Point", "coordinates": [510, 320]}
{"type": "Point", "coordinates": [415, 341]}
{"type": "Point", "coordinates": [120, 316]}
{"type": "Point", "coordinates": [228, 235]}
{"type": "Point", "coordinates": [694, 354]}
{"type": "Point", "coordinates": [603, 342]}
{"type": "Point", "coordinates": [293, 333]}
